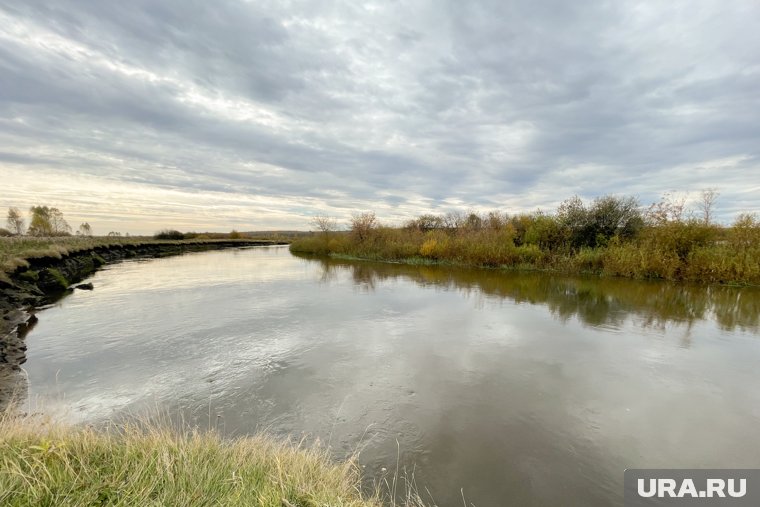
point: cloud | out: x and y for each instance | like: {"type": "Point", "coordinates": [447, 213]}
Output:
{"type": "Point", "coordinates": [404, 108]}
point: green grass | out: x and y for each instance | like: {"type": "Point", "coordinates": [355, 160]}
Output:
{"type": "Point", "coordinates": [44, 464]}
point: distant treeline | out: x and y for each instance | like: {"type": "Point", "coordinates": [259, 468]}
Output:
{"type": "Point", "coordinates": [177, 235]}
{"type": "Point", "coordinates": [48, 222]}
{"type": "Point", "coordinates": [44, 221]}
{"type": "Point", "coordinates": [610, 235]}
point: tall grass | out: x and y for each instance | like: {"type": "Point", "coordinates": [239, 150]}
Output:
{"type": "Point", "coordinates": [678, 249]}
{"type": "Point", "coordinates": [44, 464]}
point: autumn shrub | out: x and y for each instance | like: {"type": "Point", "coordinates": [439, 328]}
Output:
{"type": "Point", "coordinates": [610, 237]}
{"type": "Point", "coordinates": [169, 234]}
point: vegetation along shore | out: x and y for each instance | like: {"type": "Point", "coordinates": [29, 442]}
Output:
{"type": "Point", "coordinates": [609, 236]}
{"type": "Point", "coordinates": [50, 464]}
{"type": "Point", "coordinates": [35, 269]}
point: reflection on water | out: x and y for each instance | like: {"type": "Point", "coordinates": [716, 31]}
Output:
{"type": "Point", "coordinates": [595, 301]}
{"type": "Point", "coordinates": [521, 389]}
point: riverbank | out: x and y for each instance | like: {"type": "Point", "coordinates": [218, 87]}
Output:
{"type": "Point", "coordinates": [37, 271]}
{"type": "Point", "coordinates": [678, 252]}
{"type": "Point", "coordinates": [49, 464]}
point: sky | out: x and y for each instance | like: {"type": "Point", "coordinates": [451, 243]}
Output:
{"type": "Point", "coordinates": [211, 115]}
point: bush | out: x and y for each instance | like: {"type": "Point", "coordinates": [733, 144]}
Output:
{"type": "Point", "coordinates": [435, 245]}
{"type": "Point", "coordinates": [680, 237]}
{"type": "Point", "coordinates": [745, 232]}
{"type": "Point", "coordinates": [596, 225]}
{"type": "Point", "coordinates": [317, 245]}
{"type": "Point", "coordinates": [608, 237]}
{"type": "Point", "coordinates": [169, 234]}
{"type": "Point", "coordinates": [545, 232]}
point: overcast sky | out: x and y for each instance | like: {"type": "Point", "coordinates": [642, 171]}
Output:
{"type": "Point", "coordinates": [208, 115]}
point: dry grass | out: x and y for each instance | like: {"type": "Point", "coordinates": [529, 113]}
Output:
{"type": "Point", "coordinates": [152, 464]}
{"type": "Point", "coordinates": [677, 251]}
{"type": "Point", "coordinates": [48, 464]}
{"type": "Point", "coordinates": [15, 251]}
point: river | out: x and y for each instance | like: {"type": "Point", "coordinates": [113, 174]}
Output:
{"type": "Point", "coordinates": [502, 388]}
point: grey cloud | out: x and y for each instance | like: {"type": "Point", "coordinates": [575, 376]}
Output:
{"type": "Point", "coordinates": [217, 44]}
{"type": "Point", "coordinates": [480, 101]}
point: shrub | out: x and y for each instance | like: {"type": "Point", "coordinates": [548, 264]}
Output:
{"type": "Point", "coordinates": [680, 237]}
{"type": "Point", "coordinates": [436, 245]}
{"type": "Point", "coordinates": [545, 232]}
{"type": "Point", "coordinates": [668, 247]}
{"type": "Point", "coordinates": [745, 231]}
{"type": "Point", "coordinates": [317, 245]}
{"type": "Point", "coordinates": [169, 234]}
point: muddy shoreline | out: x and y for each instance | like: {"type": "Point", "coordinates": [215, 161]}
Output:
{"type": "Point", "coordinates": [48, 279]}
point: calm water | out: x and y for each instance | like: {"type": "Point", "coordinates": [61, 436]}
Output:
{"type": "Point", "coordinates": [514, 389]}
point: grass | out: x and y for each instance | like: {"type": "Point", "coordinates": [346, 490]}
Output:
{"type": "Point", "coordinates": [45, 464]}
{"type": "Point", "coordinates": [677, 252]}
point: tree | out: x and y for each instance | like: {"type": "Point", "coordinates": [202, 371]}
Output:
{"type": "Point", "coordinates": [595, 225]}
{"type": "Point", "coordinates": [616, 216]}
{"type": "Point", "coordinates": [473, 222]}
{"type": "Point", "coordinates": [40, 224]}
{"type": "Point", "coordinates": [15, 221]}
{"type": "Point", "coordinates": [668, 209]}
{"type": "Point", "coordinates": [85, 229]}
{"type": "Point", "coordinates": [707, 204]}
{"type": "Point", "coordinates": [454, 220]}
{"type": "Point", "coordinates": [544, 231]}
{"type": "Point", "coordinates": [324, 223]}
{"type": "Point", "coordinates": [47, 222]}
{"type": "Point", "coordinates": [426, 223]}
{"type": "Point", "coordinates": [576, 221]}
{"type": "Point", "coordinates": [496, 220]}
{"type": "Point", "coordinates": [363, 224]}
{"type": "Point", "coordinates": [60, 226]}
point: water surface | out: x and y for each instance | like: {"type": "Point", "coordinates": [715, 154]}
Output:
{"type": "Point", "coordinates": [512, 389]}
